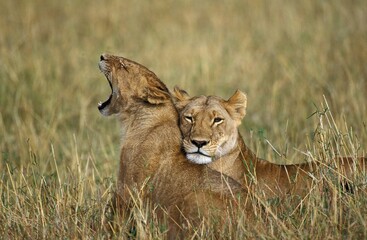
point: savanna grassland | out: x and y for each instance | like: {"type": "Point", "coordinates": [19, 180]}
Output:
{"type": "Point", "coordinates": [303, 65]}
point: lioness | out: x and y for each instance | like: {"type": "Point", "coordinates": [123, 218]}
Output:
{"type": "Point", "coordinates": [209, 126]}
{"type": "Point", "coordinates": [151, 156]}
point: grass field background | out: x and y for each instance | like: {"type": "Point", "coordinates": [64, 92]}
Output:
{"type": "Point", "coordinates": [59, 155]}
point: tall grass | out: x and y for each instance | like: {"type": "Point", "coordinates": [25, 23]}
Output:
{"type": "Point", "coordinates": [59, 156]}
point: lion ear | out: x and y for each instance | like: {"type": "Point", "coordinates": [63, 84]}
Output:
{"type": "Point", "coordinates": [180, 98]}
{"type": "Point", "coordinates": [236, 106]}
{"type": "Point", "coordinates": [156, 93]}
{"type": "Point", "coordinates": [180, 94]}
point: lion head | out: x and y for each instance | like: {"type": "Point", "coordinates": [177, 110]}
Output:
{"type": "Point", "coordinates": [209, 124]}
{"type": "Point", "coordinates": [130, 82]}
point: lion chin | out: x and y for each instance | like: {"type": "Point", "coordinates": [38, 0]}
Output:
{"type": "Point", "coordinates": [198, 158]}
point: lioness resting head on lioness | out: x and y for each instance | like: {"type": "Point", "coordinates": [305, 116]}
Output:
{"type": "Point", "coordinates": [209, 126]}
{"type": "Point", "coordinates": [151, 159]}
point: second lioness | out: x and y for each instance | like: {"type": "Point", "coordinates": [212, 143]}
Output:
{"type": "Point", "coordinates": [209, 126]}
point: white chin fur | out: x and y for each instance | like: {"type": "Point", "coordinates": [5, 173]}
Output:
{"type": "Point", "coordinates": [198, 158]}
{"type": "Point", "coordinates": [104, 112]}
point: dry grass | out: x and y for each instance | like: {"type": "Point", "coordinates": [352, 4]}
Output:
{"type": "Point", "coordinates": [59, 156]}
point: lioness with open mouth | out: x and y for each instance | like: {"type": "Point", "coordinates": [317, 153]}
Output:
{"type": "Point", "coordinates": [209, 126]}
{"type": "Point", "coordinates": [151, 158]}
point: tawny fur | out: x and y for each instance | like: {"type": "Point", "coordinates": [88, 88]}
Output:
{"type": "Point", "coordinates": [197, 123]}
{"type": "Point", "coordinates": [151, 159]}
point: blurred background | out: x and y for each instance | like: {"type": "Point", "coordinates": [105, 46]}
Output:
{"type": "Point", "coordinates": [286, 55]}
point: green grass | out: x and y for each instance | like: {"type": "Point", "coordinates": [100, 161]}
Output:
{"type": "Point", "coordinates": [59, 155]}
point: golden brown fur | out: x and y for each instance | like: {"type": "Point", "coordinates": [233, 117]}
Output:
{"type": "Point", "coordinates": [151, 158]}
{"type": "Point", "coordinates": [209, 126]}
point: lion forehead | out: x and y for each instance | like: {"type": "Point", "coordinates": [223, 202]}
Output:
{"type": "Point", "coordinates": [205, 110]}
{"type": "Point", "coordinates": [206, 106]}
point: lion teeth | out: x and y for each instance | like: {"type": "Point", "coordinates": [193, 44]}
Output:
{"type": "Point", "coordinates": [100, 104]}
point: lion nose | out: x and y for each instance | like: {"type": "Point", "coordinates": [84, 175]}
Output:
{"type": "Point", "coordinates": [102, 57]}
{"type": "Point", "coordinates": [199, 144]}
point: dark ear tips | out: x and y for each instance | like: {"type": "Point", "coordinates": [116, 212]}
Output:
{"type": "Point", "coordinates": [157, 96]}
{"type": "Point", "coordinates": [180, 94]}
{"type": "Point", "coordinates": [156, 92]}
{"type": "Point", "coordinates": [180, 98]}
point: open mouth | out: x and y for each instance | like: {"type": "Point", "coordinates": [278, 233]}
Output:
{"type": "Point", "coordinates": [102, 105]}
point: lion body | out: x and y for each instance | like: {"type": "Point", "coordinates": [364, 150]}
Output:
{"type": "Point", "coordinates": [267, 179]}
{"type": "Point", "coordinates": [212, 122]}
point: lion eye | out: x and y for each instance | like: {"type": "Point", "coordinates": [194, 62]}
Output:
{"type": "Point", "coordinates": [189, 119]}
{"type": "Point", "coordinates": [218, 120]}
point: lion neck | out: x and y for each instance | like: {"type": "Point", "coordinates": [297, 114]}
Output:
{"type": "Point", "coordinates": [246, 155]}
{"type": "Point", "coordinates": [141, 121]}
{"type": "Point", "coordinates": [236, 162]}
{"type": "Point", "coordinates": [150, 140]}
